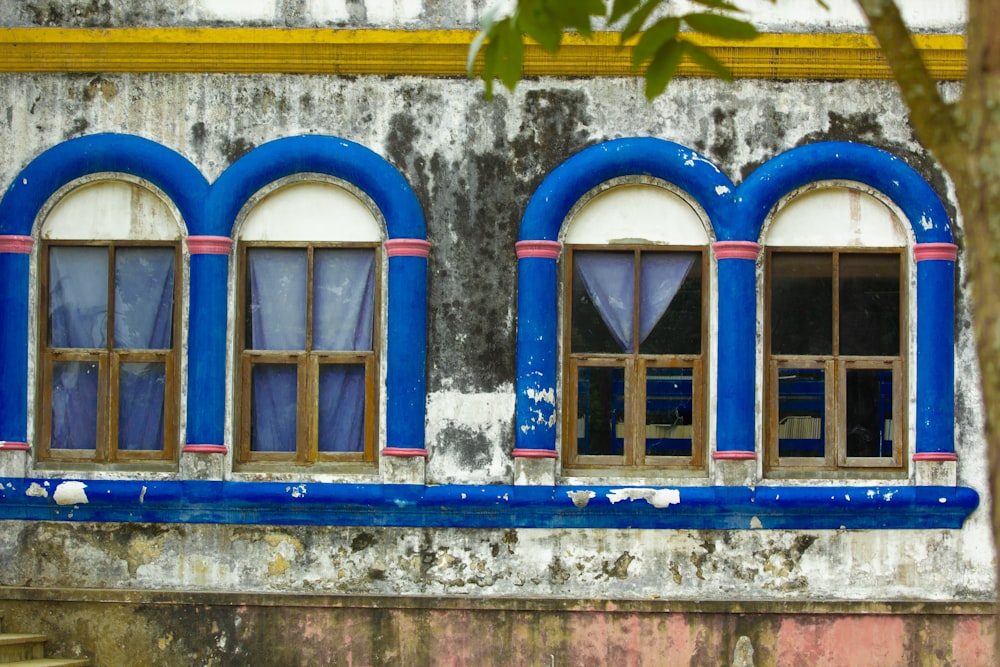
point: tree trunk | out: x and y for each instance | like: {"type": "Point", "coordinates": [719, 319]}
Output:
{"type": "Point", "coordinates": [965, 139]}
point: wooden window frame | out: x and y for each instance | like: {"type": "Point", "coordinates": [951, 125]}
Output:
{"type": "Point", "coordinates": [633, 458]}
{"type": "Point", "coordinates": [308, 364]}
{"type": "Point", "coordinates": [835, 461]}
{"type": "Point", "coordinates": [109, 360]}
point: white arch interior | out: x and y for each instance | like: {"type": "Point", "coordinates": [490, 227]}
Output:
{"type": "Point", "coordinates": [636, 213]}
{"type": "Point", "coordinates": [836, 216]}
{"type": "Point", "coordinates": [111, 210]}
{"type": "Point", "coordinates": [310, 211]}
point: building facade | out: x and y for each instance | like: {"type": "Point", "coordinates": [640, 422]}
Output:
{"type": "Point", "coordinates": [312, 355]}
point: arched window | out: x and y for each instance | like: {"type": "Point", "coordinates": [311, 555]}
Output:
{"type": "Point", "coordinates": [109, 324]}
{"type": "Point", "coordinates": [837, 331]}
{"type": "Point", "coordinates": [308, 313]}
{"type": "Point", "coordinates": [635, 309]}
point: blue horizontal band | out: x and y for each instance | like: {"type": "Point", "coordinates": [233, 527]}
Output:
{"type": "Point", "coordinates": [461, 506]}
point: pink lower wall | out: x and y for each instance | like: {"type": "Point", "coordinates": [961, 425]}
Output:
{"type": "Point", "coordinates": [115, 628]}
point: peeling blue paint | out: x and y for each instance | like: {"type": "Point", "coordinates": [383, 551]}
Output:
{"type": "Point", "coordinates": [459, 506]}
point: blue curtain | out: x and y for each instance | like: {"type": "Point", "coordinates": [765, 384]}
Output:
{"type": "Point", "coordinates": [343, 303]}
{"type": "Point", "coordinates": [78, 318]}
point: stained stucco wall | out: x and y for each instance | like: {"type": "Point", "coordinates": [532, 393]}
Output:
{"type": "Point", "coordinates": [473, 166]}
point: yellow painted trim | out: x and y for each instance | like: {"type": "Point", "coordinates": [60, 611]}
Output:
{"type": "Point", "coordinates": [435, 53]}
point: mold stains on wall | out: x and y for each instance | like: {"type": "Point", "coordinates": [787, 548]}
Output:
{"type": "Point", "coordinates": [198, 135]}
{"type": "Point", "coordinates": [55, 13]}
{"type": "Point", "coordinates": [611, 564]}
{"type": "Point", "coordinates": [469, 436]}
{"type": "Point", "coordinates": [720, 128]}
{"type": "Point", "coordinates": [555, 124]}
{"type": "Point", "coordinates": [867, 127]}
{"type": "Point", "coordinates": [93, 13]}
{"type": "Point", "coordinates": [618, 569]}
{"type": "Point", "coordinates": [78, 127]}
{"type": "Point", "coordinates": [235, 148]}
{"type": "Point", "coordinates": [100, 86]}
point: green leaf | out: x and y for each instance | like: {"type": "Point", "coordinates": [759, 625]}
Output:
{"type": "Point", "coordinates": [474, 49]}
{"type": "Point", "coordinates": [576, 14]}
{"type": "Point", "coordinates": [539, 24]}
{"type": "Point", "coordinates": [719, 4]}
{"type": "Point", "coordinates": [634, 24]}
{"type": "Point", "coordinates": [510, 54]}
{"type": "Point", "coordinates": [662, 68]}
{"type": "Point", "coordinates": [621, 8]}
{"type": "Point", "coordinates": [720, 26]}
{"type": "Point", "coordinates": [502, 55]}
{"type": "Point", "coordinates": [707, 60]}
{"type": "Point", "coordinates": [654, 38]}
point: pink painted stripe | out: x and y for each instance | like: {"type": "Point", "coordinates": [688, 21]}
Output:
{"type": "Point", "coordinates": [536, 454]}
{"type": "Point", "coordinates": [205, 449]}
{"type": "Point", "coordinates": [209, 245]}
{"type": "Point", "coordinates": [946, 251]}
{"type": "Point", "coordinates": [734, 456]}
{"type": "Point", "coordinates": [403, 452]}
{"type": "Point", "coordinates": [736, 250]}
{"type": "Point", "coordinates": [935, 456]}
{"type": "Point", "coordinates": [16, 244]}
{"type": "Point", "coordinates": [407, 248]}
{"type": "Point", "coordinates": [539, 249]}
{"type": "Point", "coordinates": [15, 446]}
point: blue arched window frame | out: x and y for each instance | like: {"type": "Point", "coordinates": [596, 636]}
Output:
{"type": "Point", "coordinates": [208, 213]}
{"type": "Point", "coordinates": [737, 216]}
{"type": "Point", "coordinates": [165, 169]}
{"type": "Point", "coordinates": [406, 246]}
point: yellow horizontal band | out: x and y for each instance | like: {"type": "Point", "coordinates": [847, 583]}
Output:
{"type": "Point", "coordinates": [436, 53]}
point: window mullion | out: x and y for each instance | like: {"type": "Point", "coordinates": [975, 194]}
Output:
{"type": "Point", "coordinates": [835, 269]}
{"type": "Point", "coordinates": [633, 411]}
{"type": "Point", "coordinates": [307, 410]}
{"type": "Point", "coordinates": [308, 407]}
{"type": "Point", "coordinates": [309, 298]}
{"type": "Point", "coordinates": [107, 428]}
{"type": "Point", "coordinates": [634, 440]}
{"type": "Point", "coordinates": [104, 396]}
{"type": "Point", "coordinates": [836, 419]}
{"type": "Point", "coordinates": [370, 402]}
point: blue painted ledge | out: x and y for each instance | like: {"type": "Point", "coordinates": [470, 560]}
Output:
{"type": "Point", "coordinates": [454, 506]}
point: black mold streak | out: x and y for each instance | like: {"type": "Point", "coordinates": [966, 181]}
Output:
{"type": "Point", "coordinates": [234, 149]}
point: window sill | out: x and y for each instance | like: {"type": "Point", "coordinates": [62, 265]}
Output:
{"type": "Point", "coordinates": [460, 506]}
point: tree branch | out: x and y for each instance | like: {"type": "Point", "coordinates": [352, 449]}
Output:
{"type": "Point", "coordinates": [934, 120]}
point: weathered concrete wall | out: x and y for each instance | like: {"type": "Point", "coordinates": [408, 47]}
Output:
{"type": "Point", "coordinates": [473, 166]}
{"type": "Point", "coordinates": [219, 631]}
{"type": "Point", "coordinates": [415, 14]}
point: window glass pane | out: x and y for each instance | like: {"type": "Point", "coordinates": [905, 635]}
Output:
{"type": "Point", "coordinates": [144, 297]}
{"type": "Point", "coordinates": [140, 405]}
{"type": "Point", "coordinates": [869, 304]}
{"type": "Point", "coordinates": [869, 412]}
{"type": "Point", "coordinates": [600, 426]}
{"type": "Point", "coordinates": [74, 405]}
{"type": "Point", "coordinates": [603, 301]}
{"type": "Point", "coordinates": [78, 296]}
{"type": "Point", "coordinates": [276, 298]}
{"type": "Point", "coordinates": [341, 408]}
{"type": "Point", "coordinates": [801, 412]}
{"type": "Point", "coordinates": [670, 303]}
{"type": "Point", "coordinates": [343, 299]}
{"type": "Point", "coordinates": [801, 303]}
{"type": "Point", "coordinates": [274, 405]}
{"type": "Point", "coordinates": [669, 403]}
